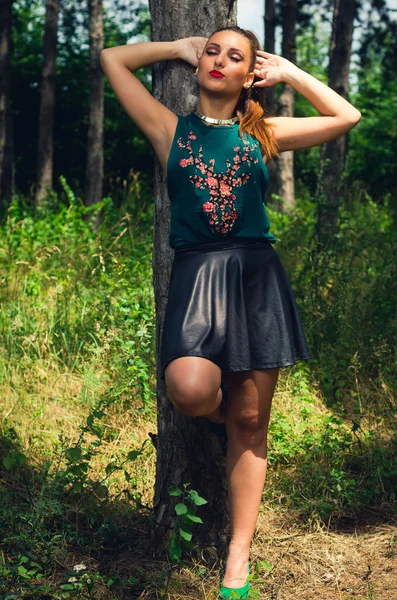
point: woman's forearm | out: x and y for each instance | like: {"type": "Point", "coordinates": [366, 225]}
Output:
{"type": "Point", "coordinates": [323, 98]}
{"type": "Point", "coordinates": [141, 54]}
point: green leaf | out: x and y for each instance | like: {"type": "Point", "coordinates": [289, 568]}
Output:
{"type": "Point", "coordinates": [67, 586]}
{"type": "Point", "coordinates": [265, 565]}
{"type": "Point", "coordinates": [174, 491]}
{"type": "Point", "coordinates": [196, 499]}
{"type": "Point", "coordinates": [133, 455]}
{"type": "Point", "coordinates": [9, 461]}
{"type": "Point", "coordinates": [253, 593]}
{"type": "Point", "coordinates": [98, 414]}
{"type": "Point", "coordinates": [187, 535]}
{"type": "Point", "coordinates": [180, 509]}
{"type": "Point", "coordinates": [127, 476]}
{"type": "Point", "coordinates": [193, 518]}
{"type": "Point", "coordinates": [73, 453]}
{"type": "Point", "coordinates": [174, 548]}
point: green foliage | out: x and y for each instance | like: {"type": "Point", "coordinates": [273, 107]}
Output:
{"type": "Point", "coordinates": [83, 300]}
{"type": "Point", "coordinates": [69, 292]}
{"type": "Point", "coordinates": [373, 148]}
{"type": "Point", "coordinates": [125, 148]}
{"type": "Point", "coordinates": [182, 531]}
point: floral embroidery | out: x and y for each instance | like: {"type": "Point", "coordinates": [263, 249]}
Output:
{"type": "Point", "coordinates": [220, 210]}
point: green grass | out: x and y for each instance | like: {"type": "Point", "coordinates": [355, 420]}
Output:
{"type": "Point", "coordinates": [77, 383]}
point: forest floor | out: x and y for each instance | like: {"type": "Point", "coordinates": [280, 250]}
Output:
{"type": "Point", "coordinates": [353, 559]}
{"type": "Point", "coordinates": [355, 562]}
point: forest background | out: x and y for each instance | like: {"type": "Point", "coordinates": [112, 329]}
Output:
{"type": "Point", "coordinates": [78, 330]}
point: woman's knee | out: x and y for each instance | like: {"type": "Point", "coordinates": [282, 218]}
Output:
{"type": "Point", "coordinates": [193, 391]}
{"type": "Point", "coordinates": [192, 396]}
{"type": "Point", "coordinates": [248, 428]}
{"type": "Point", "coordinates": [191, 399]}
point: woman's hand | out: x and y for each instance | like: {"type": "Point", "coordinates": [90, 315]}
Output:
{"type": "Point", "coordinates": [271, 68]}
{"type": "Point", "coordinates": [191, 49]}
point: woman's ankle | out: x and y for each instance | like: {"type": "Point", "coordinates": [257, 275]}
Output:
{"type": "Point", "coordinates": [239, 548]}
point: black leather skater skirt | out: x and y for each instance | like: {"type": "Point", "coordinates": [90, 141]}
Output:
{"type": "Point", "coordinates": [230, 301]}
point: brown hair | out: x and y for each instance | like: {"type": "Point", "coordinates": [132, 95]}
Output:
{"type": "Point", "coordinates": [250, 107]}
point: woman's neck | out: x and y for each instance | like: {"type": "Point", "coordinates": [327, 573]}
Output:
{"type": "Point", "coordinates": [216, 110]}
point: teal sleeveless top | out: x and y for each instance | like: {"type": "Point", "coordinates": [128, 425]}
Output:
{"type": "Point", "coordinates": [216, 184]}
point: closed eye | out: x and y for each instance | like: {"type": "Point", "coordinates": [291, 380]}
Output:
{"type": "Point", "coordinates": [232, 57]}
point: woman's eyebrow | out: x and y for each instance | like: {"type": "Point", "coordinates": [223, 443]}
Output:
{"type": "Point", "coordinates": [235, 49]}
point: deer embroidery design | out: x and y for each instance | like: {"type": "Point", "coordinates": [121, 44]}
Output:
{"type": "Point", "coordinates": [220, 209]}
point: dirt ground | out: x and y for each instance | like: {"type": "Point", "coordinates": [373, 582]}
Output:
{"type": "Point", "coordinates": [350, 562]}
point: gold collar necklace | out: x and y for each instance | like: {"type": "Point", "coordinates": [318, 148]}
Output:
{"type": "Point", "coordinates": [216, 121]}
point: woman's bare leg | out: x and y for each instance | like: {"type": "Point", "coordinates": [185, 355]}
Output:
{"type": "Point", "coordinates": [193, 386]}
{"type": "Point", "coordinates": [250, 396]}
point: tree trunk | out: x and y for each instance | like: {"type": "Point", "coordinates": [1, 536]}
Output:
{"type": "Point", "coordinates": [270, 93]}
{"type": "Point", "coordinates": [94, 168]}
{"type": "Point", "coordinates": [6, 121]}
{"type": "Point", "coordinates": [333, 153]}
{"type": "Point", "coordinates": [269, 46]}
{"type": "Point", "coordinates": [286, 103]}
{"type": "Point", "coordinates": [47, 103]}
{"type": "Point", "coordinates": [187, 452]}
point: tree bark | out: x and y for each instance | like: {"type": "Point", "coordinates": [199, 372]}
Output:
{"type": "Point", "coordinates": [333, 153]}
{"type": "Point", "coordinates": [270, 92]}
{"type": "Point", "coordinates": [286, 103]}
{"type": "Point", "coordinates": [187, 452]}
{"type": "Point", "coordinates": [7, 173]}
{"type": "Point", "coordinates": [94, 168]}
{"type": "Point", "coordinates": [47, 103]}
{"type": "Point", "coordinates": [269, 46]}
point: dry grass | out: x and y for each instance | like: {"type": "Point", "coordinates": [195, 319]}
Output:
{"type": "Point", "coordinates": [356, 560]}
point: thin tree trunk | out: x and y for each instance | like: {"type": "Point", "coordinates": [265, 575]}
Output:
{"type": "Point", "coordinates": [270, 93]}
{"type": "Point", "coordinates": [269, 46]}
{"type": "Point", "coordinates": [47, 103]}
{"type": "Point", "coordinates": [187, 452]}
{"type": "Point", "coordinates": [333, 154]}
{"type": "Point", "coordinates": [94, 169]}
{"type": "Point", "coordinates": [286, 103]}
{"type": "Point", "coordinates": [6, 129]}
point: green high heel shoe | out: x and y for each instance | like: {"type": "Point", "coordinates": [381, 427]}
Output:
{"type": "Point", "coordinates": [225, 592]}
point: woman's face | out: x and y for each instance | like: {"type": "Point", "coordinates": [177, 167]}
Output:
{"type": "Point", "coordinates": [229, 53]}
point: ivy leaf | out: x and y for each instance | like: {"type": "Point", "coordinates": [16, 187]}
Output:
{"type": "Point", "coordinates": [174, 491]}
{"type": "Point", "coordinates": [180, 509]}
{"type": "Point", "coordinates": [186, 535]}
{"type": "Point", "coordinates": [196, 499]}
{"type": "Point", "coordinates": [193, 518]}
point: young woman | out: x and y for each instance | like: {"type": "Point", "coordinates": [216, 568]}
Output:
{"type": "Point", "coordinates": [231, 312]}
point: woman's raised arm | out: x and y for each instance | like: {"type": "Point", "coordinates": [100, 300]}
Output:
{"type": "Point", "coordinates": [337, 115]}
{"type": "Point", "coordinates": [153, 118]}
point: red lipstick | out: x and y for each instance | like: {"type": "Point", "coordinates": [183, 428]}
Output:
{"type": "Point", "coordinates": [216, 74]}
